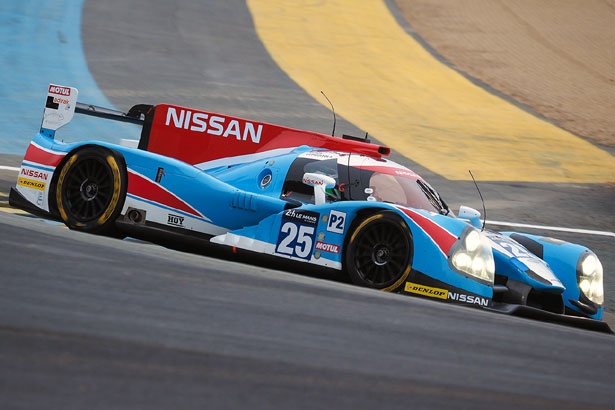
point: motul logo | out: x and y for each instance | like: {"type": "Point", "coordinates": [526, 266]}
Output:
{"type": "Point", "coordinates": [214, 125]}
{"type": "Point", "coordinates": [327, 247]}
{"type": "Point", "coordinates": [56, 89]}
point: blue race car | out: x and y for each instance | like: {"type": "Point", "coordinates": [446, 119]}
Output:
{"type": "Point", "coordinates": [336, 203]}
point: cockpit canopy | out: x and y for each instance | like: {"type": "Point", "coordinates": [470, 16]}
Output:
{"type": "Point", "coordinates": [360, 178]}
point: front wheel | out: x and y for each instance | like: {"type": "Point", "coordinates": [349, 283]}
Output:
{"type": "Point", "coordinates": [91, 189]}
{"type": "Point", "coordinates": [379, 251]}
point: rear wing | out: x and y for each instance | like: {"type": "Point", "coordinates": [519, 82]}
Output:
{"type": "Point", "coordinates": [61, 104]}
{"type": "Point", "coordinates": [200, 138]}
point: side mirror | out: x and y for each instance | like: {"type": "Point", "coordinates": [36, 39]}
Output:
{"type": "Point", "coordinates": [471, 215]}
{"type": "Point", "coordinates": [320, 183]}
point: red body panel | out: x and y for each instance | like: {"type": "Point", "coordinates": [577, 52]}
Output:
{"type": "Point", "coordinates": [43, 157]}
{"type": "Point", "coordinates": [443, 238]}
{"type": "Point", "coordinates": [149, 190]}
{"type": "Point", "coordinates": [198, 136]}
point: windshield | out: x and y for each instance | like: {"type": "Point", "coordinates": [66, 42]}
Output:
{"type": "Point", "coordinates": [382, 180]}
{"type": "Point", "coordinates": [400, 190]}
{"type": "Point", "coordinates": [360, 178]}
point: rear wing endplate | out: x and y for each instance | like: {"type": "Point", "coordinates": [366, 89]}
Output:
{"type": "Point", "coordinates": [61, 104]}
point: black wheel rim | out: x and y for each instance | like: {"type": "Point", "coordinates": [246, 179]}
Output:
{"type": "Point", "coordinates": [382, 253]}
{"type": "Point", "coordinates": [88, 189]}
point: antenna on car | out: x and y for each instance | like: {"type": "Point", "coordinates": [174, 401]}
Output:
{"type": "Point", "coordinates": [331, 104]}
{"type": "Point", "coordinates": [481, 198]}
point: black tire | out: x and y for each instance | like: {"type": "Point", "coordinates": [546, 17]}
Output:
{"type": "Point", "coordinates": [91, 189]}
{"type": "Point", "coordinates": [379, 251]}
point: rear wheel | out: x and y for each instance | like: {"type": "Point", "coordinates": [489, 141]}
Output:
{"type": "Point", "coordinates": [379, 251]}
{"type": "Point", "coordinates": [91, 189]}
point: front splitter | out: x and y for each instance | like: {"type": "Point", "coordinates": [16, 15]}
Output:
{"type": "Point", "coordinates": [544, 316]}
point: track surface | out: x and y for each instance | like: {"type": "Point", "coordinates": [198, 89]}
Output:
{"type": "Point", "coordinates": [40, 43]}
{"type": "Point", "coordinates": [88, 322]}
{"type": "Point", "coordinates": [108, 328]}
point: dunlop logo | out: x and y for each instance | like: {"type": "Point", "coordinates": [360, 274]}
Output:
{"type": "Point", "coordinates": [30, 183]}
{"type": "Point", "coordinates": [426, 290]}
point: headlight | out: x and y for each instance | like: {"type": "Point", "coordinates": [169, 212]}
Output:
{"type": "Point", "coordinates": [472, 255]}
{"type": "Point", "coordinates": [589, 277]}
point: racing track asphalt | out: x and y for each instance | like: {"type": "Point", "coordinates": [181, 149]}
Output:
{"type": "Point", "coordinates": [99, 323]}
{"type": "Point", "coordinates": [93, 322]}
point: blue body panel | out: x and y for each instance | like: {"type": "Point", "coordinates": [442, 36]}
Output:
{"type": "Point", "coordinates": [562, 258]}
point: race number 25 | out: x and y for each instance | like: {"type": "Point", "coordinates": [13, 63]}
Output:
{"type": "Point", "coordinates": [296, 240]}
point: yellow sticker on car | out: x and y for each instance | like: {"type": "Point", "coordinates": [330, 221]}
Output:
{"type": "Point", "coordinates": [30, 183]}
{"type": "Point", "coordinates": [426, 290]}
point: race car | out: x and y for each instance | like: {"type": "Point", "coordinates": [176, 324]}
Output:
{"type": "Point", "coordinates": [335, 203]}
